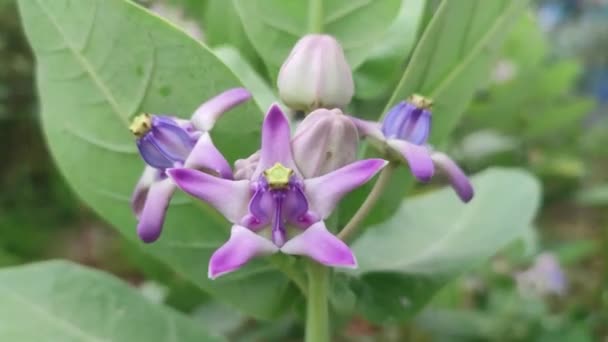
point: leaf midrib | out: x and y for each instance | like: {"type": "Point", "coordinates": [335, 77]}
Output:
{"type": "Point", "coordinates": [86, 65]}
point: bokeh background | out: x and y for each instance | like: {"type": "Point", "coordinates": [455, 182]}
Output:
{"type": "Point", "coordinates": [544, 107]}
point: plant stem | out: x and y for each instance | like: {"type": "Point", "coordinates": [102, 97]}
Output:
{"type": "Point", "coordinates": [315, 16]}
{"type": "Point", "coordinates": [383, 180]}
{"type": "Point", "coordinates": [317, 317]}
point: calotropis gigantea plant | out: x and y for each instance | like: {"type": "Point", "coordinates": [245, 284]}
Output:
{"type": "Point", "coordinates": [101, 63]}
{"type": "Point", "coordinates": [277, 200]}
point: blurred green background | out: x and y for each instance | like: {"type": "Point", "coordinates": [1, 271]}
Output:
{"type": "Point", "coordinates": [543, 108]}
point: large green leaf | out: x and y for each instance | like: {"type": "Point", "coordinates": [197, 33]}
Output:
{"type": "Point", "coordinates": [98, 64]}
{"type": "Point", "coordinates": [61, 302]}
{"type": "Point", "coordinates": [273, 26]}
{"type": "Point", "coordinates": [434, 237]}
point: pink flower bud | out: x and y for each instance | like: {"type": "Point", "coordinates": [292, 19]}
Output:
{"type": "Point", "coordinates": [316, 75]}
{"type": "Point", "coordinates": [325, 141]}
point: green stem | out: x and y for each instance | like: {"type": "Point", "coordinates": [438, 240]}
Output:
{"type": "Point", "coordinates": [317, 317]}
{"type": "Point", "coordinates": [315, 16]}
{"type": "Point", "coordinates": [383, 180]}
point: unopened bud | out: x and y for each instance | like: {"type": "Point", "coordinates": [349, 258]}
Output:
{"type": "Point", "coordinates": [324, 141]}
{"type": "Point", "coordinates": [316, 75]}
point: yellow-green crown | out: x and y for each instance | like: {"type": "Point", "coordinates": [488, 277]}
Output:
{"type": "Point", "coordinates": [420, 101]}
{"type": "Point", "coordinates": [278, 176]}
{"type": "Point", "coordinates": [141, 125]}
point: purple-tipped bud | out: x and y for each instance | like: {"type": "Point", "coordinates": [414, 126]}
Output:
{"type": "Point", "coordinates": [162, 141]}
{"type": "Point", "coordinates": [316, 75]}
{"type": "Point", "coordinates": [324, 141]}
{"type": "Point", "coordinates": [409, 120]}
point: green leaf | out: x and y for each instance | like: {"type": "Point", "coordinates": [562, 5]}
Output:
{"type": "Point", "coordinates": [434, 237]}
{"type": "Point", "coordinates": [274, 26]}
{"type": "Point", "coordinates": [101, 62]}
{"type": "Point", "coordinates": [262, 93]}
{"type": "Point", "coordinates": [380, 71]}
{"type": "Point", "coordinates": [454, 55]}
{"type": "Point", "coordinates": [223, 26]}
{"type": "Point", "coordinates": [68, 302]}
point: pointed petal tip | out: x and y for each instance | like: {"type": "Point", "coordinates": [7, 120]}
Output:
{"type": "Point", "coordinates": [148, 234]}
{"type": "Point", "coordinates": [275, 112]}
{"type": "Point", "coordinates": [317, 243]}
{"type": "Point", "coordinates": [242, 246]}
{"type": "Point", "coordinates": [458, 179]}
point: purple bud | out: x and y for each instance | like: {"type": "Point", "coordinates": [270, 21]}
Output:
{"type": "Point", "coordinates": [324, 141]}
{"type": "Point", "coordinates": [316, 75]}
{"type": "Point", "coordinates": [409, 120]}
{"type": "Point", "coordinates": [162, 141]}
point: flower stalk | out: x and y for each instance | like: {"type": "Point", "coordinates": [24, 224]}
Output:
{"type": "Point", "coordinates": [349, 230]}
{"type": "Point", "coordinates": [317, 316]}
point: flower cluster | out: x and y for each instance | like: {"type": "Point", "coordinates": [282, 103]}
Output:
{"type": "Point", "coordinates": [278, 198]}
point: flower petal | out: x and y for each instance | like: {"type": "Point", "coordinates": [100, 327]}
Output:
{"type": "Point", "coordinates": [151, 154]}
{"type": "Point", "coordinates": [242, 246]}
{"type": "Point", "coordinates": [276, 144]}
{"type": "Point", "coordinates": [417, 156]}
{"type": "Point", "coordinates": [208, 113]}
{"type": "Point", "coordinates": [140, 193]}
{"type": "Point", "coordinates": [206, 157]}
{"type": "Point", "coordinates": [367, 128]}
{"type": "Point", "coordinates": [170, 138]}
{"type": "Point", "coordinates": [229, 197]}
{"type": "Point", "coordinates": [318, 243]}
{"type": "Point", "coordinates": [325, 192]}
{"type": "Point", "coordinates": [152, 216]}
{"type": "Point", "coordinates": [459, 181]}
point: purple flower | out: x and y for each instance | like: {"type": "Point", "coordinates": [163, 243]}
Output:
{"type": "Point", "coordinates": [545, 277]}
{"type": "Point", "coordinates": [165, 142]}
{"type": "Point", "coordinates": [404, 133]}
{"type": "Point", "coordinates": [277, 209]}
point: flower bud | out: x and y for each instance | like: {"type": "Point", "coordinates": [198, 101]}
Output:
{"type": "Point", "coordinates": [316, 75]}
{"type": "Point", "coordinates": [409, 120]}
{"type": "Point", "coordinates": [324, 141]}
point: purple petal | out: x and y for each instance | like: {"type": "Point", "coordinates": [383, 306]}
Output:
{"type": "Point", "coordinates": [242, 246]}
{"type": "Point", "coordinates": [140, 193]}
{"type": "Point", "coordinates": [260, 207]}
{"type": "Point", "coordinates": [205, 156]}
{"type": "Point", "coordinates": [418, 158]}
{"type": "Point", "coordinates": [276, 144]}
{"type": "Point", "coordinates": [317, 243]}
{"type": "Point", "coordinates": [229, 197]}
{"type": "Point", "coordinates": [151, 154]}
{"type": "Point", "coordinates": [368, 128]}
{"type": "Point", "coordinates": [208, 113]}
{"type": "Point", "coordinates": [152, 216]}
{"type": "Point", "coordinates": [170, 138]}
{"type": "Point", "coordinates": [326, 191]}
{"type": "Point", "coordinates": [459, 181]}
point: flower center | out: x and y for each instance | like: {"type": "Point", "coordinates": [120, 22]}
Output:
{"type": "Point", "coordinates": [278, 176]}
{"type": "Point", "coordinates": [141, 125]}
